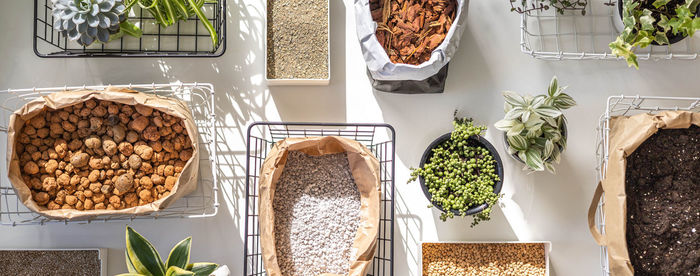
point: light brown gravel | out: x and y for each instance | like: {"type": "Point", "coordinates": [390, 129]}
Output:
{"type": "Point", "coordinates": [483, 259]}
{"type": "Point", "coordinates": [297, 39]}
{"type": "Point", "coordinates": [60, 262]}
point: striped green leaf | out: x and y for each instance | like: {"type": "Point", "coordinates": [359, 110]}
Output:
{"type": "Point", "coordinates": [144, 258]}
{"type": "Point", "coordinates": [180, 254]}
{"type": "Point", "coordinates": [202, 269]}
{"type": "Point", "coordinates": [176, 271]}
{"type": "Point", "coordinates": [533, 160]}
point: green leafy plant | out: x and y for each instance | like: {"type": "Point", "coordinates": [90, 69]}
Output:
{"type": "Point", "coordinates": [649, 21]}
{"type": "Point", "coordinates": [542, 5]}
{"type": "Point", "coordinates": [534, 126]}
{"type": "Point", "coordinates": [169, 12]}
{"type": "Point", "coordinates": [460, 175]}
{"type": "Point", "coordinates": [142, 259]}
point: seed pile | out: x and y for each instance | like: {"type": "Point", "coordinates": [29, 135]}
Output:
{"type": "Point", "coordinates": [101, 155]}
{"type": "Point", "coordinates": [663, 224]}
{"type": "Point", "coordinates": [317, 214]}
{"type": "Point", "coordinates": [50, 262]}
{"type": "Point", "coordinates": [483, 259]}
{"type": "Point", "coordinates": [297, 39]}
{"type": "Point", "coordinates": [409, 30]}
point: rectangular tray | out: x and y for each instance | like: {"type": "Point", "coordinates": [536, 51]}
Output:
{"type": "Point", "coordinates": [547, 249]}
{"type": "Point", "coordinates": [378, 138]}
{"type": "Point", "coordinates": [281, 82]}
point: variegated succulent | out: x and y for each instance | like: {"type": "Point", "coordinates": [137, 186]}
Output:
{"type": "Point", "coordinates": [143, 259]}
{"type": "Point", "coordinates": [87, 21]}
{"type": "Point", "coordinates": [534, 126]}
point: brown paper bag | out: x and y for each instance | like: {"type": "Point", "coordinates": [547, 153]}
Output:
{"type": "Point", "coordinates": [365, 171]}
{"type": "Point", "coordinates": [627, 133]}
{"type": "Point", "coordinates": [186, 183]}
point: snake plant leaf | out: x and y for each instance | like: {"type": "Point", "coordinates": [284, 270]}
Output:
{"type": "Point", "coordinates": [143, 256]}
{"type": "Point", "coordinates": [129, 265]}
{"type": "Point", "coordinates": [180, 254]}
{"type": "Point", "coordinates": [202, 269]}
{"type": "Point", "coordinates": [176, 271]}
{"type": "Point", "coordinates": [129, 274]}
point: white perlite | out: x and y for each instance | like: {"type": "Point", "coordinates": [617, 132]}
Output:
{"type": "Point", "coordinates": [317, 214]}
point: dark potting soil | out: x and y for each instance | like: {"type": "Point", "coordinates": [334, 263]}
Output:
{"type": "Point", "coordinates": [50, 262]}
{"type": "Point", "coordinates": [663, 204]}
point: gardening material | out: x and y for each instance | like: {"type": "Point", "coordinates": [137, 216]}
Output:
{"type": "Point", "coordinates": [319, 207]}
{"type": "Point", "coordinates": [479, 259]}
{"type": "Point", "coordinates": [143, 259]}
{"type": "Point", "coordinates": [535, 127]}
{"type": "Point", "coordinates": [662, 203]}
{"type": "Point", "coordinates": [87, 21]}
{"type": "Point", "coordinates": [409, 30]}
{"type": "Point", "coordinates": [53, 262]}
{"type": "Point", "coordinates": [298, 42]}
{"type": "Point", "coordinates": [87, 153]}
{"type": "Point", "coordinates": [627, 134]}
{"type": "Point", "coordinates": [317, 213]}
{"type": "Point", "coordinates": [419, 41]}
{"type": "Point", "coordinates": [460, 173]}
{"type": "Point", "coordinates": [657, 22]}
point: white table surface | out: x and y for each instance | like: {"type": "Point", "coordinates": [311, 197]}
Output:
{"type": "Point", "coordinates": [536, 206]}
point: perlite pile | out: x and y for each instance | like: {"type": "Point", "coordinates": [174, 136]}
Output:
{"type": "Point", "coordinates": [317, 214]}
{"type": "Point", "coordinates": [297, 39]}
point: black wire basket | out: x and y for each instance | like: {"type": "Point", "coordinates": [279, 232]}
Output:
{"type": "Point", "coordinates": [183, 39]}
{"type": "Point", "coordinates": [379, 138]}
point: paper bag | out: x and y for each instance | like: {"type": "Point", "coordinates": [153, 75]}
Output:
{"type": "Point", "coordinates": [186, 183]}
{"type": "Point", "coordinates": [627, 133]}
{"type": "Point", "coordinates": [365, 171]}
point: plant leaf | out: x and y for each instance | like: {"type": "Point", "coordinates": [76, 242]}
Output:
{"type": "Point", "coordinates": [129, 265]}
{"type": "Point", "coordinates": [553, 86]}
{"type": "Point", "coordinates": [534, 160]}
{"type": "Point", "coordinates": [548, 149]}
{"type": "Point", "coordinates": [525, 116]}
{"type": "Point", "coordinates": [176, 271]}
{"type": "Point", "coordinates": [517, 142]}
{"type": "Point", "coordinates": [143, 256]}
{"type": "Point", "coordinates": [550, 121]}
{"type": "Point", "coordinates": [516, 129]}
{"type": "Point", "coordinates": [564, 101]}
{"type": "Point", "coordinates": [180, 254]}
{"type": "Point", "coordinates": [548, 111]}
{"type": "Point", "coordinates": [129, 274]}
{"type": "Point", "coordinates": [505, 125]}
{"type": "Point", "coordinates": [514, 113]}
{"type": "Point", "coordinates": [513, 99]}
{"type": "Point", "coordinates": [550, 167]}
{"type": "Point", "coordinates": [202, 269]}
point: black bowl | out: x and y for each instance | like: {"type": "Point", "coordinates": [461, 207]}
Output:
{"type": "Point", "coordinates": [472, 141]}
{"type": "Point", "coordinates": [672, 39]}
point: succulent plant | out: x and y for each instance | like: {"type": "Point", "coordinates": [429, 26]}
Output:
{"type": "Point", "coordinates": [534, 126]}
{"type": "Point", "coordinates": [143, 259]}
{"type": "Point", "coordinates": [87, 21]}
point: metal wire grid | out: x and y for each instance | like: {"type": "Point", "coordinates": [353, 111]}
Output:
{"type": "Point", "coordinates": [261, 137]}
{"type": "Point", "coordinates": [551, 36]}
{"type": "Point", "coordinates": [625, 106]}
{"type": "Point", "coordinates": [184, 39]}
{"type": "Point", "coordinates": [203, 202]}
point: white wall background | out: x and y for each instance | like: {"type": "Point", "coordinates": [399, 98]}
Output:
{"type": "Point", "coordinates": [537, 206]}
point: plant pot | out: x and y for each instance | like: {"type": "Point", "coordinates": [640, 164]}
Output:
{"type": "Point", "coordinates": [472, 141]}
{"type": "Point", "coordinates": [564, 133]}
{"type": "Point", "coordinates": [619, 26]}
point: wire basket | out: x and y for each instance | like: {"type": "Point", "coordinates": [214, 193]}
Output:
{"type": "Point", "coordinates": [627, 106]}
{"type": "Point", "coordinates": [551, 36]}
{"type": "Point", "coordinates": [183, 39]}
{"type": "Point", "coordinates": [379, 138]}
{"type": "Point", "coordinates": [203, 202]}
